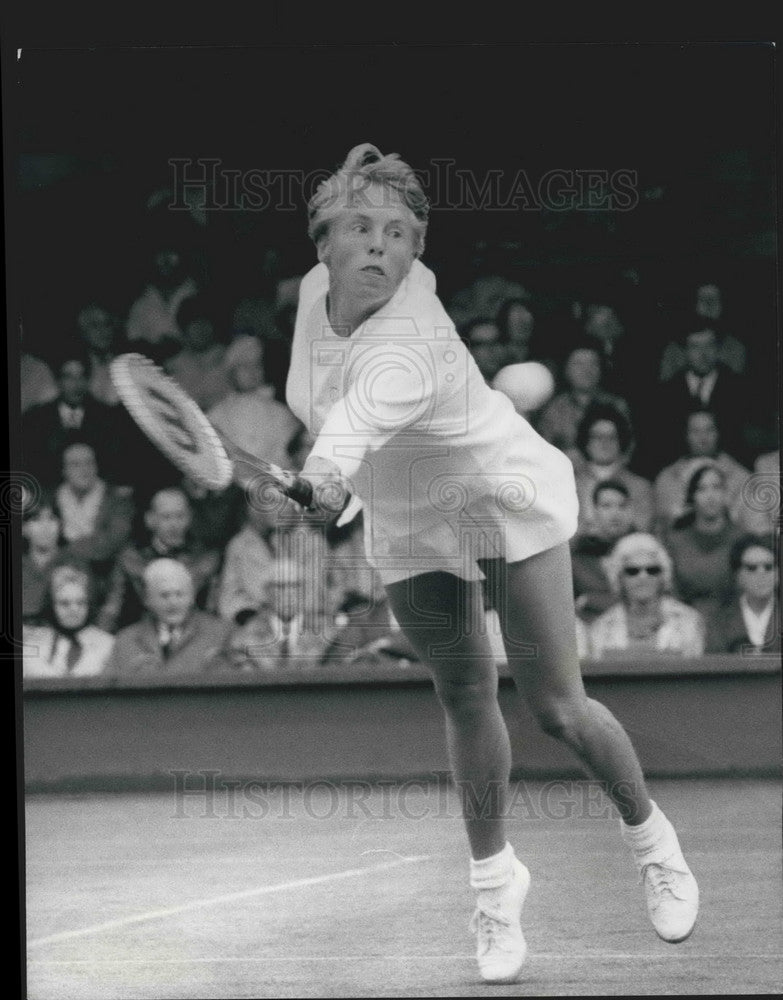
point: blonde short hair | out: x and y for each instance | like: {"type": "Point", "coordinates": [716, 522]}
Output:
{"type": "Point", "coordinates": [365, 165]}
{"type": "Point", "coordinates": [630, 545]}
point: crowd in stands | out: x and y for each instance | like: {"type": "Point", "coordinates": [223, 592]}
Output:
{"type": "Point", "coordinates": [129, 567]}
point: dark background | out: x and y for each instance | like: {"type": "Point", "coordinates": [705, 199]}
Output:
{"type": "Point", "coordinates": [96, 127]}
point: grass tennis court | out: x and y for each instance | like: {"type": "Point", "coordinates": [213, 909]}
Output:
{"type": "Point", "coordinates": [327, 891]}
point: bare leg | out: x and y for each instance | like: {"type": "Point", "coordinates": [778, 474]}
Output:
{"type": "Point", "coordinates": [535, 607]}
{"type": "Point", "coordinates": [441, 616]}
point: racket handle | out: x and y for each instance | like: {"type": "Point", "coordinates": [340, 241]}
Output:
{"type": "Point", "coordinates": [301, 492]}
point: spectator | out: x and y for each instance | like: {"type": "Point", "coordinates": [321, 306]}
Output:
{"type": "Point", "coordinates": [167, 521]}
{"type": "Point", "coordinates": [96, 517]}
{"type": "Point", "coordinates": [605, 441]}
{"type": "Point", "coordinates": [707, 303]}
{"type": "Point", "coordinates": [200, 366]}
{"type": "Point", "coordinates": [702, 440]}
{"type": "Point", "coordinates": [66, 644]}
{"type": "Point", "coordinates": [705, 382]}
{"type": "Point", "coordinates": [749, 621]}
{"type": "Point", "coordinates": [646, 616]}
{"type": "Point", "coordinates": [484, 297]}
{"type": "Point", "coordinates": [73, 416]}
{"type": "Point", "coordinates": [98, 330]}
{"type": "Point", "coordinates": [517, 323]}
{"type": "Point", "coordinates": [250, 416]}
{"type": "Point", "coordinates": [559, 420]}
{"type": "Point", "coordinates": [247, 567]}
{"type": "Point", "coordinates": [700, 542]}
{"type": "Point", "coordinates": [151, 326]}
{"type": "Point", "coordinates": [288, 628]}
{"type": "Point", "coordinates": [482, 338]}
{"type": "Point", "coordinates": [44, 549]}
{"type": "Point", "coordinates": [173, 637]}
{"type": "Point", "coordinates": [613, 516]}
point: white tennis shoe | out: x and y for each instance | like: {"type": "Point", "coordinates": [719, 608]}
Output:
{"type": "Point", "coordinates": [501, 948]}
{"type": "Point", "coordinates": [672, 895]}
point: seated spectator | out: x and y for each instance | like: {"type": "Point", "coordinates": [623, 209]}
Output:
{"type": "Point", "coordinates": [73, 416]}
{"type": "Point", "coordinates": [99, 332]}
{"type": "Point", "coordinates": [151, 326]}
{"type": "Point", "coordinates": [592, 588]}
{"type": "Point", "coordinates": [646, 616]}
{"type": "Point", "coordinates": [96, 517]}
{"type": "Point", "coordinates": [484, 297]}
{"type": "Point", "coordinates": [249, 415]}
{"type": "Point", "coordinates": [482, 338]}
{"type": "Point", "coordinates": [247, 567]}
{"type": "Point", "coordinates": [702, 440]}
{"type": "Point", "coordinates": [559, 420]}
{"type": "Point", "coordinates": [700, 542]}
{"type": "Point", "coordinates": [708, 303]}
{"type": "Point", "coordinates": [705, 382]}
{"type": "Point", "coordinates": [287, 629]}
{"type": "Point", "coordinates": [44, 549]}
{"type": "Point", "coordinates": [200, 366]}
{"type": "Point", "coordinates": [173, 637]}
{"type": "Point", "coordinates": [605, 442]}
{"type": "Point", "coordinates": [167, 521]}
{"type": "Point", "coordinates": [517, 324]}
{"type": "Point", "coordinates": [749, 621]}
{"type": "Point", "coordinates": [66, 643]}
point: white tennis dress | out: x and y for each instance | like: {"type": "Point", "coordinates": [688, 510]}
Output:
{"type": "Point", "coordinates": [447, 470]}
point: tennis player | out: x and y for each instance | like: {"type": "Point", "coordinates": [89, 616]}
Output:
{"type": "Point", "coordinates": [457, 488]}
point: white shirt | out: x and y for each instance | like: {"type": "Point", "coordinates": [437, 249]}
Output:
{"type": "Point", "coordinates": [71, 416]}
{"type": "Point", "coordinates": [755, 622]}
{"type": "Point", "coordinates": [80, 513]}
{"type": "Point", "coordinates": [702, 386]}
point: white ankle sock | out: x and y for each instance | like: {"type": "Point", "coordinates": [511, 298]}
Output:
{"type": "Point", "coordinates": [492, 872]}
{"type": "Point", "coordinates": [653, 839]}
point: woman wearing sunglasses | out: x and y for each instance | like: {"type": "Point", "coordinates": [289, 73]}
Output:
{"type": "Point", "coordinates": [646, 616]}
{"type": "Point", "coordinates": [749, 622]}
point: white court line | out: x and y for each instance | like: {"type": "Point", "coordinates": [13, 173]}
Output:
{"type": "Point", "coordinates": [547, 956]}
{"type": "Point", "coordinates": [195, 904]}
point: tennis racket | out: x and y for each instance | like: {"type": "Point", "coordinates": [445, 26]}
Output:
{"type": "Point", "coordinates": [175, 424]}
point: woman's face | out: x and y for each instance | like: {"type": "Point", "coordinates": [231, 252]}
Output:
{"type": "Point", "coordinates": [710, 496]}
{"type": "Point", "coordinates": [370, 246]}
{"type": "Point", "coordinates": [70, 605]}
{"type": "Point", "coordinates": [756, 575]}
{"type": "Point", "coordinates": [43, 530]}
{"type": "Point", "coordinates": [583, 371]}
{"type": "Point", "coordinates": [642, 575]}
{"type": "Point", "coordinates": [603, 443]}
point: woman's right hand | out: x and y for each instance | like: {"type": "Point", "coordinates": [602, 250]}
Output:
{"type": "Point", "coordinates": [331, 492]}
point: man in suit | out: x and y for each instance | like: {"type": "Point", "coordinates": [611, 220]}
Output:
{"type": "Point", "coordinates": [174, 637]}
{"type": "Point", "coordinates": [73, 416]}
{"type": "Point", "coordinates": [167, 520]}
{"type": "Point", "coordinates": [705, 383]}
